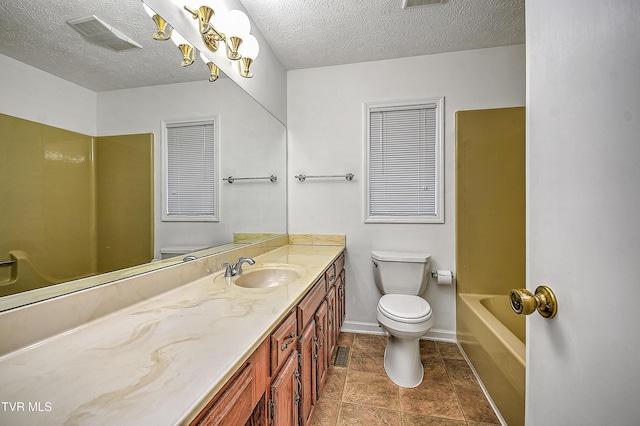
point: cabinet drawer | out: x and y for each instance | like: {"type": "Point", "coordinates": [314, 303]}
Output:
{"type": "Point", "coordinates": [339, 264]}
{"type": "Point", "coordinates": [334, 270]}
{"type": "Point", "coordinates": [308, 306]}
{"type": "Point", "coordinates": [283, 341]}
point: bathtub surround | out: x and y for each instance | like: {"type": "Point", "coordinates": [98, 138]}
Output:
{"type": "Point", "coordinates": [64, 193]}
{"type": "Point", "coordinates": [490, 250]}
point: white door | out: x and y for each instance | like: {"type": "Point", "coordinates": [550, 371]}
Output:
{"type": "Point", "coordinates": [583, 233]}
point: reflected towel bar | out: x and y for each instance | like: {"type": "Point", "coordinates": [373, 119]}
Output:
{"type": "Point", "coordinates": [232, 179]}
{"type": "Point", "coordinates": [7, 262]}
{"type": "Point", "coordinates": [301, 177]}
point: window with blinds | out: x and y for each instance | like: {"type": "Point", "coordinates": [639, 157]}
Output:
{"type": "Point", "coordinates": [404, 162]}
{"type": "Point", "coordinates": [191, 190]}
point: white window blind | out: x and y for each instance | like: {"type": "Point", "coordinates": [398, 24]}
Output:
{"type": "Point", "coordinates": [191, 190]}
{"type": "Point", "coordinates": [403, 163]}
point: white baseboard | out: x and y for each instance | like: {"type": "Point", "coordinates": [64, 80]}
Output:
{"type": "Point", "coordinates": [374, 328]}
{"type": "Point", "coordinates": [441, 335]}
{"type": "Point", "coordinates": [362, 328]}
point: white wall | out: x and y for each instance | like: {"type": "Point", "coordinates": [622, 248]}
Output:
{"type": "Point", "coordinates": [35, 95]}
{"type": "Point", "coordinates": [325, 136]}
{"type": "Point", "coordinates": [252, 143]}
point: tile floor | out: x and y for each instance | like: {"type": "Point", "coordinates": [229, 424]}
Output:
{"type": "Point", "coordinates": [362, 394]}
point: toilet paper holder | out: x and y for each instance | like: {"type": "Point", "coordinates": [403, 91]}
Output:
{"type": "Point", "coordinates": [434, 275]}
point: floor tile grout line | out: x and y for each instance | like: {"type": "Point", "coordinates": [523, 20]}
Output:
{"type": "Point", "coordinates": [402, 413]}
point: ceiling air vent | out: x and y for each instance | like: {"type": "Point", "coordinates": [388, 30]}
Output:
{"type": "Point", "coordinates": [99, 32]}
{"type": "Point", "coordinates": [413, 3]}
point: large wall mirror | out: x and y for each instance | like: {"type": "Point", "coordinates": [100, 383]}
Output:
{"type": "Point", "coordinates": [127, 94]}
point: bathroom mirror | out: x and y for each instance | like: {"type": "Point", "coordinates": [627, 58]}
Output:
{"type": "Point", "coordinates": [153, 88]}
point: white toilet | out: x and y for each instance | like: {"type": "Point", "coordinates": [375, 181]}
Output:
{"type": "Point", "coordinates": [401, 278]}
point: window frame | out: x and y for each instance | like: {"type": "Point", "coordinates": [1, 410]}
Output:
{"type": "Point", "coordinates": [368, 107]}
{"type": "Point", "coordinates": [165, 167]}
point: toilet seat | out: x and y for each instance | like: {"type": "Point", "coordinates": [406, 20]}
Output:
{"type": "Point", "coordinates": [404, 308]}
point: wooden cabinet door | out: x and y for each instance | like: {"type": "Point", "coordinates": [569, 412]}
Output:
{"type": "Point", "coordinates": [332, 324]}
{"type": "Point", "coordinates": [235, 406]}
{"type": "Point", "coordinates": [341, 300]}
{"type": "Point", "coordinates": [242, 399]}
{"type": "Point", "coordinates": [285, 394]}
{"type": "Point", "coordinates": [308, 356]}
{"type": "Point", "coordinates": [321, 333]}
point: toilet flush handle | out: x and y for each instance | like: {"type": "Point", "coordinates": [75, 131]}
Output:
{"type": "Point", "coordinates": [524, 303]}
{"type": "Point", "coordinates": [375, 263]}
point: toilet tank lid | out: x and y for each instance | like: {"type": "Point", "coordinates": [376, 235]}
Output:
{"type": "Point", "coordinates": [397, 256]}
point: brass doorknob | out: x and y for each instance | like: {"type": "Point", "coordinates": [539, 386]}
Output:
{"type": "Point", "coordinates": [525, 303]}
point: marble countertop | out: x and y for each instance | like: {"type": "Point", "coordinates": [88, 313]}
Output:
{"type": "Point", "coordinates": [158, 361]}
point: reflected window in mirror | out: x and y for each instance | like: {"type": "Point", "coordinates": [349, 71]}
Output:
{"type": "Point", "coordinates": [191, 170]}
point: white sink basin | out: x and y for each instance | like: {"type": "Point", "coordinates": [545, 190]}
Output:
{"type": "Point", "coordinates": [268, 275]}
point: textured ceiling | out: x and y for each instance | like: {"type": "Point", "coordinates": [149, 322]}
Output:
{"type": "Point", "coordinates": [303, 34]}
{"type": "Point", "coordinates": [36, 32]}
{"type": "Point", "coordinates": [315, 33]}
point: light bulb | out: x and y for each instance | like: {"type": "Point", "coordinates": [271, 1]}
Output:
{"type": "Point", "coordinates": [236, 24]}
{"type": "Point", "coordinates": [249, 47]}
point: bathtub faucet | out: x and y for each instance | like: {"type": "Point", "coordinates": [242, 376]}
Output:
{"type": "Point", "coordinates": [233, 270]}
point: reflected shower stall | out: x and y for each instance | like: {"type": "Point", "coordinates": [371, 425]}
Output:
{"type": "Point", "coordinates": [71, 205]}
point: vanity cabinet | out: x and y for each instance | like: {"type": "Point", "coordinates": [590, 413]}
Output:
{"type": "Point", "coordinates": [281, 382]}
{"type": "Point", "coordinates": [241, 401]}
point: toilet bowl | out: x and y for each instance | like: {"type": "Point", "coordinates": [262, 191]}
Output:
{"type": "Point", "coordinates": [402, 313]}
{"type": "Point", "coordinates": [406, 318]}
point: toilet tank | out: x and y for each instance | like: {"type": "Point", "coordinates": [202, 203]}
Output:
{"type": "Point", "coordinates": [173, 251]}
{"type": "Point", "coordinates": [401, 272]}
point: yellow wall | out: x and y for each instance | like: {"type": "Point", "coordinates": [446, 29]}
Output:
{"type": "Point", "coordinates": [50, 191]}
{"type": "Point", "coordinates": [124, 201]}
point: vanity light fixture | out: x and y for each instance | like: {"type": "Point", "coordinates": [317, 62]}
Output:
{"type": "Point", "coordinates": [188, 52]}
{"type": "Point", "coordinates": [161, 34]}
{"type": "Point", "coordinates": [249, 52]}
{"type": "Point", "coordinates": [232, 28]}
{"type": "Point", "coordinates": [214, 71]}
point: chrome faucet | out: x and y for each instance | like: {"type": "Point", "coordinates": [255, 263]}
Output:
{"type": "Point", "coordinates": [233, 270]}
